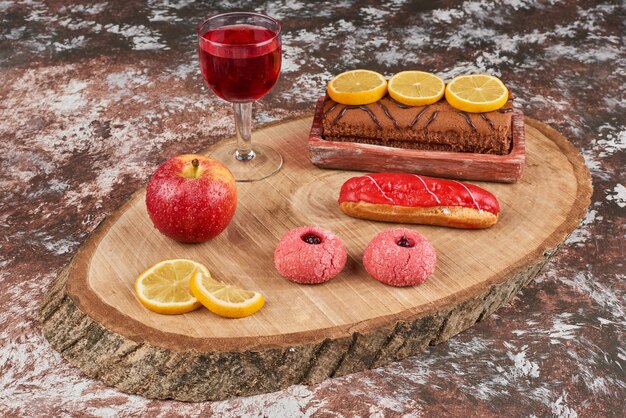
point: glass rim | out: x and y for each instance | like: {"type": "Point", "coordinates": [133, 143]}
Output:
{"type": "Point", "coordinates": [249, 14]}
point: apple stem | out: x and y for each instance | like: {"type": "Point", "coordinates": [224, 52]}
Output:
{"type": "Point", "coordinates": [195, 163]}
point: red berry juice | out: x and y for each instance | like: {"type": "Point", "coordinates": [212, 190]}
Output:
{"type": "Point", "coordinates": [240, 63]}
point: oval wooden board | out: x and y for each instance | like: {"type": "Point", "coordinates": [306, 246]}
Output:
{"type": "Point", "coordinates": [304, 334]}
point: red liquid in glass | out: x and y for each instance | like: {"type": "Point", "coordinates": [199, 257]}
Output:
{"type": "Point", "coordinates": [241, 62]}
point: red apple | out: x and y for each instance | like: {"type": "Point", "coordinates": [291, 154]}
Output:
{"type": "Point", "coordinates": [191, 198]}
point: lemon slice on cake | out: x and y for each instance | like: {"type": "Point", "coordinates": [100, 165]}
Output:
{"type": "Point", "coordinates": [357, 87]}
{"type": "Point", "coordinates": [224, 299]}
{"type": "Point", "coordinates": [416, 88]}
{"type": "Point", "coordinates": [164, 287]}
{"type": "Point", "coordinates": [476, 93]}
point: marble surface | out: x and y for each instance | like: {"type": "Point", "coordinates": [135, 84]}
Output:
{"type": "Point", "coordinates": [94, 97]}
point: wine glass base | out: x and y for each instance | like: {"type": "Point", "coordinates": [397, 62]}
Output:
{"type": "Point", "coordinates": [265, 163]}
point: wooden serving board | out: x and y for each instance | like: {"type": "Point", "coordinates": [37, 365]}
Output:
{"type": "Point", "coordinates": [457, 165]}
{"type": "Point", "coordinates": [304, 334]}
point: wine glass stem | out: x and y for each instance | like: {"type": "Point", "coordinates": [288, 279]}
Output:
{"type": "Point", "coordinates": [243, 125]}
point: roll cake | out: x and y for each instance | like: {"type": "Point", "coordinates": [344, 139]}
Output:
{"type": "Point", "coordinates": [436, 127]}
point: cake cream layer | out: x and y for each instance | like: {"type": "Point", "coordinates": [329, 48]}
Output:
{"type": "Point", "coordinates": [438, 127]}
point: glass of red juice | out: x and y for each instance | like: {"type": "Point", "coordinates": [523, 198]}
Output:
{"type": "Point", "coordinates": [240, 59]}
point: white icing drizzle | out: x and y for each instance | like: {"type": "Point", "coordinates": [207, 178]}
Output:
{"type": "Point", "coordinates": [427, 189]}
{"type": "Point", "coordinates": [379, 188]}
{"type": "Point", "coordinates": [470, 193]}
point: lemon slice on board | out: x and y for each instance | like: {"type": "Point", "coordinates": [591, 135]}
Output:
{"type": "Point", "coordinates": [357, 87]}
{"type": "Point", "coordinates": [164, 287]}
{"type": "Point", "coordinates": [224, 299]}
{"type": "Point", "coordinates": [416, 88]}
{"type": "Point", "coordinates": [476, 93]}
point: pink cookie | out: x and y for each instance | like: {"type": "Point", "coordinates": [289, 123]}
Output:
{"type": "Point", "coordinates": [400, 257]}
{"type": "Point", "coordinates": [310, 254]}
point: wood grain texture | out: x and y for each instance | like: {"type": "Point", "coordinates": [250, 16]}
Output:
{"type": "Point", "coordinates": [305, 334]}
{"type": "Point", "coordinates": [365, 157]}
